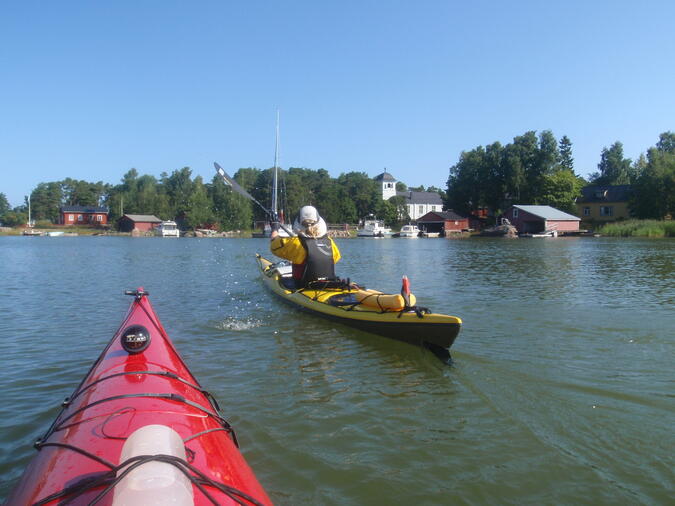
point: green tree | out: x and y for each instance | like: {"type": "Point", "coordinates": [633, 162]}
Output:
{"type": "Point", "coordinates": [14, 218]}
{"type": "Point", "coordinates": [363, 191]}
{"type": "Point", "coordinates": [179, 189]}
{"type": "Point", "coordinates": [82, 193]}
{"type": "Point", "coordinates": [560, 190]}
{"type": "Point", "coordinates": [464, 190]}
{"type": "Point", "coordinates": [654, 190]}
{"type": "Point", "coordinates": [46, 200]}
{"type": "Point", "coordinates": [231, 210]}
{"type": "Point", "coordinates": [4, 204]}
{"type": "Point", "coordinates": [613, 168]}
{"type": "Point", "coordinates": [637, 168]}
{"type": "Point", "coordinates": [198, 212]}
{"type": "Point", "coordinates": [565, 149]}
{"type": "Point", "coordinates": [394, 211]}
{"type": "Point", "coordinates": [666, 143]}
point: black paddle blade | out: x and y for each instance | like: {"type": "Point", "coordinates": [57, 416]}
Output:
{"type": "Point", "coordinates": [231, 182]}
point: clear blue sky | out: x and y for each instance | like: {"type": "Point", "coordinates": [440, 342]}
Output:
{"type": "Point", "coordinates": [89, 90]}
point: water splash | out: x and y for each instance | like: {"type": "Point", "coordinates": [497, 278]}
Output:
{"type": "Point", "coordinates": [238, 324]}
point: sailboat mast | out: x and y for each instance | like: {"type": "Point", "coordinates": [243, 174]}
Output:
{"type": "Point", "coordinates": [275, 182]}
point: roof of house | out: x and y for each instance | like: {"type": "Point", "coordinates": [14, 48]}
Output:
{"type": "Point", "coordinates": [548, 213]}
{"type": "Point", "coordinates": [609, 193]}
{"type": "Point", "coordinates": [434, 216]}
{"type": "Point", "coordinates": [143, 218]}
{"type": "Point", "coordinates": [83, 209]}
{"type": "Point", "coordinates": [421, 197]}
{"type": "Point", "coordinates": [385, 176]}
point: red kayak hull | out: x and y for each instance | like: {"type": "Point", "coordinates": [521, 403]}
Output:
{"type": "Point", "coordinates": [122, 393]}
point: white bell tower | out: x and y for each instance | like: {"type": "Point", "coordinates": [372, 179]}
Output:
{"type": "Point", "coordinates": [388, 183]}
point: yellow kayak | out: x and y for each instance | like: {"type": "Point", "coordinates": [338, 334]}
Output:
{"type": "Point", "coordinates": [367, 310]}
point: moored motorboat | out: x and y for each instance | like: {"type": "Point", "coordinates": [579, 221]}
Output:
{"type": "Point", "coordinates": [139, 429]}
{"type": "Point", "coordinates": [167, 229]}
{"type": "Point", "coordinates": [383, 314]}
{"type": "Point", "coordinates": [409, 231]}
{"type": "Point", "coordinates": [372, 227]}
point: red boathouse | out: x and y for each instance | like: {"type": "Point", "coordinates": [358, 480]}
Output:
{"type": "Point", "coordinates": [442, 222]}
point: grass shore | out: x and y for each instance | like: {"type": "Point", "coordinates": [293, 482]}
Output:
{"type": "Point", "coordinates": [639, 228]}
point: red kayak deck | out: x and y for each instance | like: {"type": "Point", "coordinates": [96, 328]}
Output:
{"type": "Point", "coordinates": [79, 456]}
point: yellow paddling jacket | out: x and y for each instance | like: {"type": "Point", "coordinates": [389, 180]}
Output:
{"type": "Point", "coordinates": [296, 250]}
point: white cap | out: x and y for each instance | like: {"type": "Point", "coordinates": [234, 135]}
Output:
{"type": "Point", "coordinates": [308, 215]}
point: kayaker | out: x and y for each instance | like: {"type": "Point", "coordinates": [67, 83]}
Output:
{"type": "Point", "coordinates": [312, 252]}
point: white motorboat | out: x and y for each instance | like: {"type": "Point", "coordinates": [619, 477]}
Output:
{"type": "Point", "coordinates": [373, 227]}
{"type": "Point", "coordinates": [167, 229]}
{"type": "Point", "coordinates": [409, 231]}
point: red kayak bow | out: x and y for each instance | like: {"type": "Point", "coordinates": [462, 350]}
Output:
{"type": "Point", "coordinates": [139, 429]}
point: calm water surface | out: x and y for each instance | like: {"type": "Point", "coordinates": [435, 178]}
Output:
{"type": "Point", "coordinates": [562, 390]}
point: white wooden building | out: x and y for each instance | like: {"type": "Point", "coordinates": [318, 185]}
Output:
{"type": "Point", "coordinates": [418, 203]}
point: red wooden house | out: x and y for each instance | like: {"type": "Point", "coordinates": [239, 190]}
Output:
{"type": "Point", "coordinates": [83, 215]}
{"type": "Point", "coordinates": [442, 222]}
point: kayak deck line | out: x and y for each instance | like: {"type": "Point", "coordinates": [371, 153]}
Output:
{"type": "Point", "coordinates": [161, 395]}
{"type": "Point", "coordinates": [412, 324]}
{"type": "Point", "coordinates": [68, 400]}
{"type": "Point", "coordinates": [138, 388]}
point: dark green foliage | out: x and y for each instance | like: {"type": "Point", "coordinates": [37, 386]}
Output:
{"type": "Point", "coordinates": [230, 210]}
{"type": "Point", "coordinates": [4, 204]}
{"type": "Point", "coordinates": [613, 168]}
{"type": "Point", "coordinates": [527, 171]}
{"type": "Point", "coordinates": [565, 149]}
{"type": "Point", "coordinates": [196, 204]}
{"type": "Point", "coordinates": [14, 218]}
{"type": "Point", "coordinates": [654, 188]}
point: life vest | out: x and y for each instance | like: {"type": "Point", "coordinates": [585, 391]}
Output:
{"type": "Point", "coordinates": [319, 262]}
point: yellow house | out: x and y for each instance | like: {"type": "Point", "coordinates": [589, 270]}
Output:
{"type": "Point", "coordinates": [602, 204]}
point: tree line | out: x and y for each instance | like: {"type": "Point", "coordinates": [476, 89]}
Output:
{"type": "Point", "coordinates": [539, 169]}
{"type": "Point", "coordinates": [533, 169]}
{"type": "Point", "coordinates": [195, 203]}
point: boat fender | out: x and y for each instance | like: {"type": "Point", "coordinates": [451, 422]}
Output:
{"type": "Point", "coordinates": [383, 301]}
{"type": "Point", "coordinates": [153, 483]}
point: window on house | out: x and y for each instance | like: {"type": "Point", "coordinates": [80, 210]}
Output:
{"type": "Point", "coordinates": [71, 217]}
{"type": "Point", "coordinates": [606, 211]}
{"type": "Point", "coordinates": [420, 209]}
{"type": "Point", "coordinates": [99, 217]}
{"type": "Point", "coordinates": [587, 211]}
{"type": "Point", "coordinates": [515, 212]}
{"type": "Point", "coordinates": [79, 217]}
